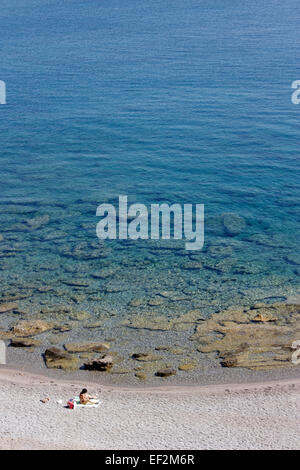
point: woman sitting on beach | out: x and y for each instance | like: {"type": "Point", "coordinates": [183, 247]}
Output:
{"type": "Point", "coordinates": [85, 398]}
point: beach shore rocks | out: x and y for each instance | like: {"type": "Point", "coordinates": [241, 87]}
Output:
{"type": "Point", "coordinates": [145, 357]}
{"type": "Point", "coordinates": [31, 328]}
{"type": "Point", "coordinates": [187, 366]}
{"type": "Point", "coordinates": [56, 358]}
{"type": "Point", "coordinates": [24, 343]}
{"type": "Point", "coordinates": [86, 347]}
{"type": "Point", "coordinates": [141, 375]}
{"type": "Point", "coordinates": [166, 372]}
{"type": "Point", "coordinates": [156, 322]}
{"type": "Point", "coordinates": [260, 337]}
{"type": "Point", "coordinates": [102, 364]}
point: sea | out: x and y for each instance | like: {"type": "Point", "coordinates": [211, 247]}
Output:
{"type": "Point", "coordinates": [176, 102]}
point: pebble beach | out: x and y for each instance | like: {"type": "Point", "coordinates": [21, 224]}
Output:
{"type": "Point", "coordinates": [261, 415]}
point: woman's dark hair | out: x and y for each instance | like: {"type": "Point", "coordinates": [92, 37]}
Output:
{"type": "Point", "coordinates": [84, 390]}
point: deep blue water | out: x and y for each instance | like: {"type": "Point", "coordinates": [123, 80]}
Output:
{"type": "Point", "coordinates": [176, 101]}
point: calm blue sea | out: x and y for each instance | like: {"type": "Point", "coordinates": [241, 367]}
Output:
{"type": "Point", "coordinates": [164, 101]}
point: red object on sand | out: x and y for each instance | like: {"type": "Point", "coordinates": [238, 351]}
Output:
{"type": "Point", "coordinates": [70, 404]}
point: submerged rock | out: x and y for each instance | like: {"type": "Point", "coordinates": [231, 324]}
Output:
{"type": "Point", "coordinates": [31, 224]}
{"type": "Point", "coordinates": [93, 325]}
{"type": "Point", "coordinates": [8, 307]}
{"type": "Point", "coordinates": [233, 224]}
{"type": "Point", "coordinates": [105, 273]}
{"type": "Point", "coordinates": [86, 347]}
{"type": "Point", "coordinates": [192, 265]}
{"type": "Point", "coordinates": [31, 328]}
{"type": "Point", "coordinates": [155, 301]}
{"type": "Point", "coordinates": [24, 343]}
{"type": "Point", "coordinates": [136, 302]}
{"type": "Point", "coordinates": [141, 375]}
{"type": "Point", "coordinates": [157, 322]}
{"type": "Point", "coordinates": [187, 366]}
{"type": "Point", "coordinates": [257, 338]}
{"type": "Point", "coordinates": [145, 357]}
{"type": "Point", "coordinates": [260, 317]}
{"type": "Point", "coordinates": [79, 316]}
{"type": "Point", "coordinates": [149, 321]}
{"type": "Point", "coordinates": [55, 358]}
{"type": "Point", "coordinates": [5, 335]}
{"type": "Point", "coordinates": [293, 258]}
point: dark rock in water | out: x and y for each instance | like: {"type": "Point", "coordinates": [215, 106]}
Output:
{"type": "Point", "coordinates": [101, 364]}
{"type": "Point", "coordinates": [24, 343]}
{"type": "Point", "coordinates": [165, 372]}
{"type": "Point", "coordinates": [57, 359]}
{"type": "Point", "coordinates": [233, 224]}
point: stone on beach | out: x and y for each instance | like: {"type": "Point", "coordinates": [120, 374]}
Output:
{"type": "Point", "coordinates": [100, 364]}
{"type": "Point", "coordinates": [165, 372]}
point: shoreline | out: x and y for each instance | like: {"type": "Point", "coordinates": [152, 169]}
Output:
{"type": "Point", "coordinates": [262, 415]}
{"type": "Point", "coordinates": [243, 345]}
{"type": "Point", "coordinates": [257, 382]}
{"type": "Point", "coordinates": [11, 374]}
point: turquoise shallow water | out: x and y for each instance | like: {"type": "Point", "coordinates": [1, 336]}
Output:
{"type": "Point", "coordinates": [178, 102]}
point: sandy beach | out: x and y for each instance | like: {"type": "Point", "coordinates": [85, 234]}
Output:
{"type": "Point", "coordinates": [238, 416]}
